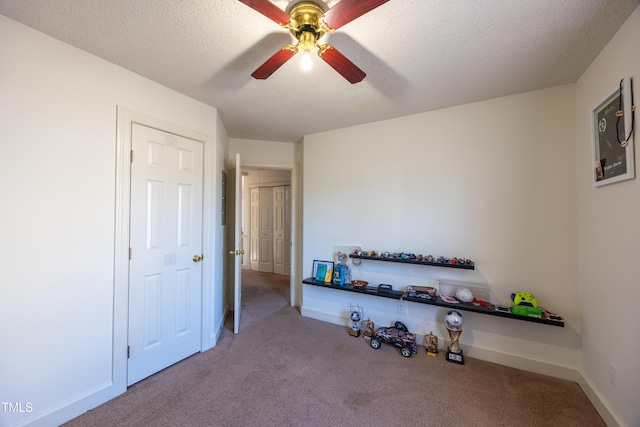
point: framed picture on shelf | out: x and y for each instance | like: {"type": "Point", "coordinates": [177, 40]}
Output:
{"type": "Point", "coordinates": [612, 124]}
{"type": "Point", "coordinates": [322, 271]}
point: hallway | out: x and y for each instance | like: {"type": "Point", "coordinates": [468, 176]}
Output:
{"type": "Point", "coordinates": [262, 295]}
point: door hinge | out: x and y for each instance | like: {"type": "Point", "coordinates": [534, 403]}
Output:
{"type": "Point", "coordinates": [131, 156]}
{"type": "Point", "coordinates": [130, 253]}
{"type": "Point", "coordinates": [128, 352]}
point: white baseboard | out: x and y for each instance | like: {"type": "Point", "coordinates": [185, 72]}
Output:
{"type": "Point", "coordinates": [220, 327]}
{"type": "Point", "coordinates": [70, 409]}
{"type": "Point", "coordinates": [319, 315]}
{"type": "Point", "coordinates": [518, 362]}
{"type": "Point", "coordinates": [608, 414]}
{"type": "Point", "coordinates": [523, 363]}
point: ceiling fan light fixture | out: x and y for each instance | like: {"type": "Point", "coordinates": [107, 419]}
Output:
{"type": "Point", "coordinates": [307, 41]}
{"type": "Point", "coordinates": [305, 61]}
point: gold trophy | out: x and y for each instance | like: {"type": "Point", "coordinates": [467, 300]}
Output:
{"type": "Point", "coordinates": [431, 344]}
{"type": "Point", "coordinates": [454, 320]}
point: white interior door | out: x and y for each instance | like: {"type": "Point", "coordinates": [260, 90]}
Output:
{"type": "Point", "coordinates": [279, 250]}
{"type": "Point", "coordinates": [246, 223]}
{"type": "Point", "coordinates": [265, 258]}
{"type": "Point", "coordinates": [287, 230]}
{"type": "Point", "coordinates": [165, 251]}
{"type": "Point", "coordinates": [255, 229]}
{"type": "Point", "coordinates": [236, 250]}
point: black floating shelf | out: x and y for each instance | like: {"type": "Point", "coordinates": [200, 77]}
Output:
{"type": "Point", "coordinates": [400, 295]}
{"type": "Point", "coordinates": [416, 262]}
{"type": "Point", "coordinates": [368, 290]}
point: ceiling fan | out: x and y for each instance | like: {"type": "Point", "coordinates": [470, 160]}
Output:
{"type": "Point", "coordinates": [308, 22]}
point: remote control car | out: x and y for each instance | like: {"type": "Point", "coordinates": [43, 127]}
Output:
{"type": "Point", "coordinates": [398, 336]}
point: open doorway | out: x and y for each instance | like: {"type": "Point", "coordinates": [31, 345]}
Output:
{"type": "Point", "coordinates": [275, 251]}
{"type": "Point", "coordinates": [263, 176]}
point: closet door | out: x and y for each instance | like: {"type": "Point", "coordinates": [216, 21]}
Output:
{"type": "Point", "coordinates": [265, 258]}
{"type": "Point", "coordinates": [279, 242]}
{"type": "Point", "coordinates": [255, 229]}
{"type": "Point", "coordinates": [287, 230]}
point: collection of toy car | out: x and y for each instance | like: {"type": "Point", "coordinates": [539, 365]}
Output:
{"type": "Point", "coordinates": [411, 256]}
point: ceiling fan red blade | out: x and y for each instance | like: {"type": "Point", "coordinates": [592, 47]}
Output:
{"type": "Point", "coordinates": [348, 10]}
{"type": "Point", "coordinates": [275, 62]}
{"type": "Point", "coordinates": [341, 64]}
{"type": "Point", "coordinates": [269, 10]}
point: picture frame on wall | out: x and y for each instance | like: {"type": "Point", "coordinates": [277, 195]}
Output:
{"type": "Point", "coordinates": [322, 271]}
{"type": "Point", "coordinates": [613, 148]}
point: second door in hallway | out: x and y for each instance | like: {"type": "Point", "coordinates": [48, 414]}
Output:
{"type": "Point", "coordinates": [271, 229]}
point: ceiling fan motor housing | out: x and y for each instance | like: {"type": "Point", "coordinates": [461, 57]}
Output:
{"type": "Point", "coordinates": [306, 25]}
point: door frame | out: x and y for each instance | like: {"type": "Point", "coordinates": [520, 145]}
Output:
{"type": "Point", "coordinates": [125, 120]}
{"type": "Point", "coordinates": [293, 169]}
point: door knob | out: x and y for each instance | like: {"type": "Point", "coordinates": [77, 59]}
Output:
{"type": "Point", "coordinates": [241, 252]}
{"type": "Point", "coordinates": [198, 258]}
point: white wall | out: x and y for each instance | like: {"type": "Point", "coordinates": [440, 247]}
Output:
{"type": "Point", "coordinates": [265, 154]}
{"type": "Point", "coordinates": [58, 164]}
{"type": "Point", "coordinates": [297, 218]}
{"type": "Point", "coordinates": [218, 297]}
{"type": "Point", "coordinates": [493, 181]}
{"type": "Point", "coordinates": [609, 237]}
{"type": "Point", "coordinates": [266, 177]}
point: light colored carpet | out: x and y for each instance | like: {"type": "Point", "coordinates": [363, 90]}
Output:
{"type": "Point", "coordinates": [283, 369]}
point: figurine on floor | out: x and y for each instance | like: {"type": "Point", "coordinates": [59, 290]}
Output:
{"type": "Point", "coordinates": [432, 344]}
{"type": "Point", "coordinates": [369, 329]}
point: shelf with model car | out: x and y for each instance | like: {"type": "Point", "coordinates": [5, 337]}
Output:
{"type": "Point", "coordinates": [385, 292]}
{"type": "Point", "coordinates": [481, 307]}
{"type": "Point", "coordinates": [409, 258]}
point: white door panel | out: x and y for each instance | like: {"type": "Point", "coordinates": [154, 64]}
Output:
{"type": "Point", "coordinates": [255, 229]}
{"type": "Point", "coordinates": [278, 230]}
{"type": "Point", "coordinates": [266, 230]}
{"type": "Point", "coordinates": [165, 234]}
{"type": "Point", "coordinates": [287, 230]}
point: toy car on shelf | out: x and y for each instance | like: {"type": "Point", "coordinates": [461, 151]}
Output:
{"type": "Point", "coordinates": [399, 336]}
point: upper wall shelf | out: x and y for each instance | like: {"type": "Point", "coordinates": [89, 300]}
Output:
{"type": "Point", "coordinates": [416, 261]}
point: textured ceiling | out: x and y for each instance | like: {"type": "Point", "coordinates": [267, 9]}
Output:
{"type": "Point", "coordinates": [419, 55]}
